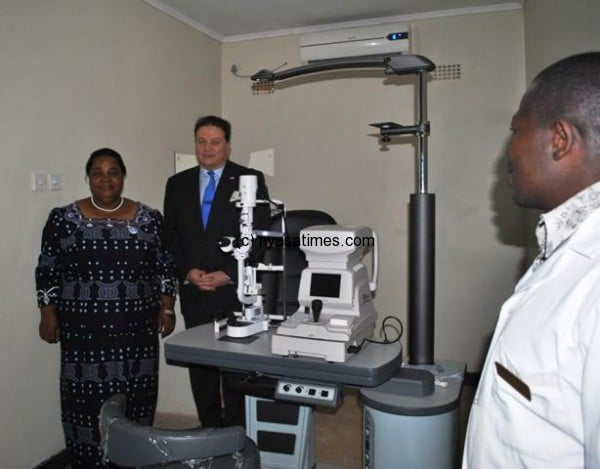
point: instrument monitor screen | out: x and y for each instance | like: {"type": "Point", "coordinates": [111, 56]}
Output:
{"type": "Point", "coordinates": [325, 285]}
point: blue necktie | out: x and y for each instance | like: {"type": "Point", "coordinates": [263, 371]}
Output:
{"type": "Point", "coordinates": [207, 198]}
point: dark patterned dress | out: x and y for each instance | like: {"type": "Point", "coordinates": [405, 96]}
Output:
{"type": "Point", "coordinates": [105, 277]}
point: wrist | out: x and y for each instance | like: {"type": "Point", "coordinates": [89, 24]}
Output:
{"type": "Point", "coordinates": [168, 311]}
{"type": "Point", "coordinates": [48, 311]}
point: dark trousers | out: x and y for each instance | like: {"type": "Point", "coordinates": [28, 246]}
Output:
{"type": "Point", "coordinates": [216, 404]}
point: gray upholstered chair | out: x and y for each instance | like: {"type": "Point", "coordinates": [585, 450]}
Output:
{"type": "Point", "coordinates": [129, 444]}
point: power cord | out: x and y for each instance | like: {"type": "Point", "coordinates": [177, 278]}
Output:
{"type": "Point", "coordinates": [235, 70]}
{"type": "Point", "coordinates": [399, 328]}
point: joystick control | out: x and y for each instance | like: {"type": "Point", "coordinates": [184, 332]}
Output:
{"type": "Point", "coordinates": [316, 306]}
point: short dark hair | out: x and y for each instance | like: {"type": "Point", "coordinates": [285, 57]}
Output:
{"type": "Point", "coordinates": [104, 152]}
{"type": "Point", "coordinates": [215, 121]}
{"type": "Point", "coordinates": [568, 89]}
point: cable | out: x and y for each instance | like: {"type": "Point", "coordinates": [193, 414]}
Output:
{"type": "Point", "coordinates": [386, 340]}
{"type": "Point", "coordinates": [235, 69]}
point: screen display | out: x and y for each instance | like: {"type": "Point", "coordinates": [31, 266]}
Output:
{"type": "Point", "coordinates": [326, 285]}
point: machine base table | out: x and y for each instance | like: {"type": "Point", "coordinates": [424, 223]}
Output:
{"type": "Point", "coordinates": [301, 383]}
{"type": "Point", "coordinates": [372, 366]}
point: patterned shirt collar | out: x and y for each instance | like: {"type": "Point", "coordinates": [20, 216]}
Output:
{"type": "Point", "coordinates": [557, 225]}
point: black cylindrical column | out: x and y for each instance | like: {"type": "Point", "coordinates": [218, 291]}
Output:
{"type": "Point", "coordinates": [421, 287]}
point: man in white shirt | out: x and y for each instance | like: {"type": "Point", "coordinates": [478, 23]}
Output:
{"type": "Point", "coordinates": [538, 401]}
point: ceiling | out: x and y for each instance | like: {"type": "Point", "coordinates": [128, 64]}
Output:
{"type": "Point", "coordinates": [238, 20]}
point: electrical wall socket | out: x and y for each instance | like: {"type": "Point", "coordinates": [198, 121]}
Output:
{"type": "Point", "coordinates": [39, 181]}
{"type": "Point", "coordinates": [54, 182]}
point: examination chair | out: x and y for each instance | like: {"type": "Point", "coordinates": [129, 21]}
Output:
{"type": "Point", "coordinates": [129, 444]}
{"type": "Point", "coordinates": [295, 260]}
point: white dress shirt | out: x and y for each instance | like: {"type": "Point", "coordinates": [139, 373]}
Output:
{"type": "Point", "coordinates": [538, 401]}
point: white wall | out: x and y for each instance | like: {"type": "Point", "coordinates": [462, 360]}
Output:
{"type": "Point", "coordinates": [555, 29]}
{"type": "Point", "coordinates": [75, 76]}
{"type": "Point", "coordinates": [327, 157]}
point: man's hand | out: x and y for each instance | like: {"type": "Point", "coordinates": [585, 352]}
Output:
{"type": "Point", "coordinates": [194, 276]}
{"type": "Point", "coordinates": [207, 281]}
{"type": "Point", "coordinates": [210, 281]}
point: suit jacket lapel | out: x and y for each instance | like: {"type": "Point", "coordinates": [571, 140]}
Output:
{"type": "Point", "coordinates": [193, 203]}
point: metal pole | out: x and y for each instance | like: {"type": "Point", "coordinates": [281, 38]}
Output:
{"type": "Point", "coordinates": [421, 276]}
{"type": "Point", "coordinates": [421, 136]}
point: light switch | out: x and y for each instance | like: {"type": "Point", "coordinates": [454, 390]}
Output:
{"type": "Point", "coordinates": [263, 160]}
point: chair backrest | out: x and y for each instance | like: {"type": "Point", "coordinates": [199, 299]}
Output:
{"type": "Point", "coordinates": [130, 444]}
{"type": "Point", "coordinates": [295, 261]}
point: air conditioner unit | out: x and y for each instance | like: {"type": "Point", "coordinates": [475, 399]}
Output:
{"type": "Point", "coordinates": [355, 42]}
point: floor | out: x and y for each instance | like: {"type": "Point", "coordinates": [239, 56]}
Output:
{"type": "Point", "coordinates": [339, 433]}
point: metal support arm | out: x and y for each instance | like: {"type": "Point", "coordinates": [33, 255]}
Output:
{"type": "Point", "coordinates": [392, 64]}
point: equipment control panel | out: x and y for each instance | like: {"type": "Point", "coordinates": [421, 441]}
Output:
{"type": "Point", "coordinates": [308, 393]}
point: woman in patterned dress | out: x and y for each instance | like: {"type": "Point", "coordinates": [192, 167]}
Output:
{"type": "Point", "coordinates": [105, 288]}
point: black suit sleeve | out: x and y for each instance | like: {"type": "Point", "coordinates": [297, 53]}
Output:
{"type": "Point", "coordinates": [171, 234]}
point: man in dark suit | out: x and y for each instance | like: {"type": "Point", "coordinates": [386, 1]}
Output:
{"type": "Point", "coordinates": [207, 276]}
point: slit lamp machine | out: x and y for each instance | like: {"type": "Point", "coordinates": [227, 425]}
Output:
{"type": "Point", "coordinates": [335, 294]}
